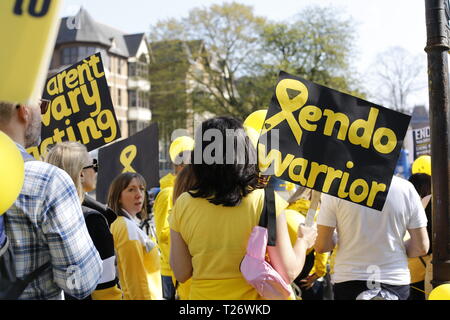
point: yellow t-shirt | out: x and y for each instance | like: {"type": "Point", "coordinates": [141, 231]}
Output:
{"type": "Point", "coordinates": [161, 208]}
{"type": "Point", "coordinates": [137, 261]}
{"type": "Point", "coordinates": [217, 239]}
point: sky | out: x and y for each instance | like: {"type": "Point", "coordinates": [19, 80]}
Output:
{"type": "Point", "coordinates": [379, 23]}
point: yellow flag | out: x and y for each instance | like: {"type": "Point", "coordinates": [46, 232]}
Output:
{"type": "Point", "coordinates": [28, 30]}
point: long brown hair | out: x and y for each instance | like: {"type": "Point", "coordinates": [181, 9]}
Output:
{"type": "Point", "coordinates": [119, 184]}
{"type": "Point", "coordinates": [184, 182]}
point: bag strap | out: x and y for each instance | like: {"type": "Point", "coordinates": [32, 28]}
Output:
{"type": "Point", "coordinates": [33, 275]}
{"type": "Point", "coordinates": [423, 262]}
{"type": "Point", "coordinates": [268, 217]}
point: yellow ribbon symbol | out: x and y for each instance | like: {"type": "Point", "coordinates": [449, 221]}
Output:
{"type": "Point", "coordinates": [291, 95]}
{"type": "Point", "coordinates": [126, 158]}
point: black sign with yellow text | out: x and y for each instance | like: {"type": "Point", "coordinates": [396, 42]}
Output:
{"type": "Point", "coordinates": [81, 108]}
{"type": "Point", "coordinates": [139, 153]}
{"type": "Point", "coordinates": [330, 141]}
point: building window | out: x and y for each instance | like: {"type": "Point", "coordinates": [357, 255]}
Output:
{"type": "Point", "coordinates": [132, 96]}
{"type": "Point", "coordinates": [132, 128]}
{"type": "Point", "coordinates": [69, 55]}
{"type": "Point", "coordinates": [132, 69]}
{"type": "Point", "coordinates": [73, 55]}
{"type": "Point", "coordinates": [119, 97]}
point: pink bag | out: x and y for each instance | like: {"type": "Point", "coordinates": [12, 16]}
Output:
{"type": "Point", "coordinates": [255, 269]}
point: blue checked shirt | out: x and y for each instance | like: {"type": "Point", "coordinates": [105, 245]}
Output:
{"type": "Point", "coordinates": [46, 223]}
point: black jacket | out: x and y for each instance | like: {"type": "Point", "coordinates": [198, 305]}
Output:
{"type": "Point", "coordinates": [100, 207]}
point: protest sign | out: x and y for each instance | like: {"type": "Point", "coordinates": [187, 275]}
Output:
{"type": "Point", "coordinates": [81, 108]}
{"type": "Point", "coordinates": [139, 153]}
{"type": "Point", "coordinates": [28, 30]}
{"type": "Point", "coordinates": [331, 142]}
{"type": "Point", "coordinates": [422, 142]}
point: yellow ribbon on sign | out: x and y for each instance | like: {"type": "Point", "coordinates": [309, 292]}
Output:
{"type": "Point", "coordinates": [126, 158]}
{"type": "Point", "coordinates": [291, 95]}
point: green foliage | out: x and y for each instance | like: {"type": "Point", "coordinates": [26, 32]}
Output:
{"type": "Point", "coordinates": [235, 67]}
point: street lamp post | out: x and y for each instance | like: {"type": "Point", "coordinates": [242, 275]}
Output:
{"type": "Point", "coordinates": [437, 51]}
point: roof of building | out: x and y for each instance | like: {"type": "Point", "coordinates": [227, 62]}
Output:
{"type": "Point", "coordinates": [83, 28]}
{"type": "Point", "coordinates": [133, 42]}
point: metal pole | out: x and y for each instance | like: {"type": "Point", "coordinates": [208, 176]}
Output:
{"type": "Point", "coordinates": [437, 51]}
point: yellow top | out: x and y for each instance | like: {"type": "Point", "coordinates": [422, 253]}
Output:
{"type": "Point", "coordinates": [295, 214]}
{"type": "Point", "coordinates": [137, 261]}
{"type": "Point", "coordinates": [161, 207]}
{"type": "Point", "coordinates": [167, 181]}
{"type": "Point", "coordinates": [217, 239]}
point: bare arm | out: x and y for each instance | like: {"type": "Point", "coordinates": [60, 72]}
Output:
{"type": "Point", "coordinates": [180, 258]}
{"type": "Point", "coordinates": [288, 261]}
{"type": "Point", "coordinates": [324, 242]}
{"type": "Point", "coordinates": [418, 244]}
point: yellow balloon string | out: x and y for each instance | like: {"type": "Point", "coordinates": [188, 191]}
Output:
{"type": "Point", "coordinates": [126, 158]}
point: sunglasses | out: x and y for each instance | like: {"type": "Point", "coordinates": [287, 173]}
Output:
{"type": "Point", "coordinates": [43, 104]}
{"type": "Point", "coordinates": [94, 165]}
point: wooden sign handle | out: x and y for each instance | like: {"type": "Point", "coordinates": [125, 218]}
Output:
{"type": "Point", "coordinates": [315, 198]}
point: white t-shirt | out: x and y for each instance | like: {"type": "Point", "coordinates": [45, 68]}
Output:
{"type": "Point", "coordinates": [370, 242]}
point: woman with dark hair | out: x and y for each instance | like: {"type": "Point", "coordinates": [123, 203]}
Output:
{"type": "Point", "coordinates": [137, 255]}
{"type": "Point", "coordinates": [211, 224]}
{"type": "Point", "coordinates": [420, 268]}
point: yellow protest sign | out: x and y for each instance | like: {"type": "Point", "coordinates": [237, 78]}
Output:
{"type": "Point", "coordinates": [331, 142]}
{"type": "Point", "coordinates": [28, 30]}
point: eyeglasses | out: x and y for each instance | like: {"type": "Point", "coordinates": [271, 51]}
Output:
{"type": "Point", "coordinates": [44, 103]}
{"type": "Point", "coordinates": [94, 165]}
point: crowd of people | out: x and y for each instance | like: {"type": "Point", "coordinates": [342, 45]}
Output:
{"type": "Point", "coordinates": [204, 214]}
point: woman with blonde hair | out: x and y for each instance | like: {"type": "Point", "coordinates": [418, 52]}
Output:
{"type": "Point", "coordinates": [137, 255]}
{"type": "Point", "coordinates": [74, 158]}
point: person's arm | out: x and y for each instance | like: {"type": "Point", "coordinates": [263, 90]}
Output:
{"type": "Point", "coordinates": [161, 208]}
{"type": "Point", "coordinates": [326, 224]}
{"type": "Point", "coordinates": [288, 261]}
{"type": "Point", "coordinates": [319, 270]}
{"type": "Point", "coordinates": [418, 244]}
{"type": "Point", "coordinates": [180, 258]}
{"type": "Point", "coordinates": [76, 264]}
{"type": "Point", "coordinates": [325, 241]}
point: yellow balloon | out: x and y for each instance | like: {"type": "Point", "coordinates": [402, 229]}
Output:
{"type": "Point", "coordinates": [179, 145]}
{"type": "Point", "coordinates": [11, 172]}
{"type": "Point", "coordinates": [441, 292]}
{"type": "Point", "coordinates": [253, 135]}
{"type": "Point", "coordinates": [422, 165]}
{"type": "Point", "coordinates": [256, 120]}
